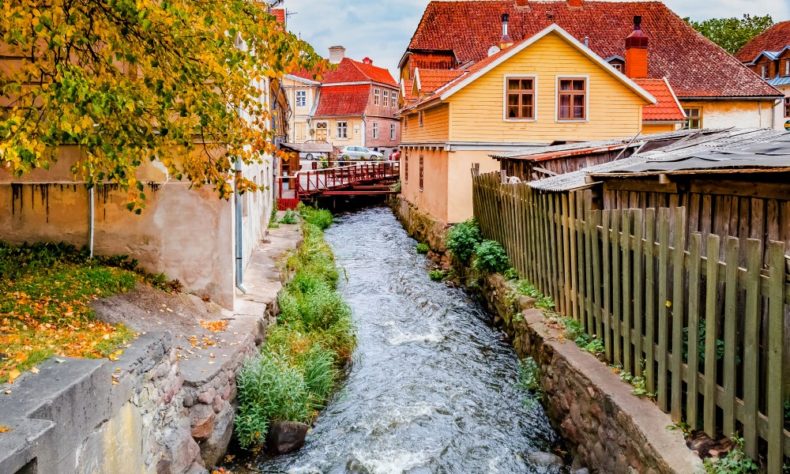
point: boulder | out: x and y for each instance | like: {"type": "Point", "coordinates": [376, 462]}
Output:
{"type": "Point", "coordinates": [286, 436]}
{"type": "Point", "coordinates": [544, 459]}
{"type": "Point", "coordinates": [214, 448]}
{"type": "Point", "coordinates": [201, 419]}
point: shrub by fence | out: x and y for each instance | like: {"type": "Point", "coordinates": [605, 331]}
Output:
{"type": "Point", "coordinates": [701, 318]}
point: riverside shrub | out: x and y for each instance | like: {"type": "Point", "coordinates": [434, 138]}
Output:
{"type": "Point", "coordinates": [320, 218]}
{"type": "Point", "coordinates": [304, 353]}
{"type": "Point", "coordinates": [462, 240]}
{"type": "Point", "coordinates": [491, 257]}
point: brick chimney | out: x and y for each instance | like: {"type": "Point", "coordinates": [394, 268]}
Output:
{"type": "Point", "coordinates": [636, 52]}
{"type": "Point", "coordinates": [367, 61]}
{"type": "Point", "coordinates": [506, 40]}
{"type": "Point", "coordinates": [280, 15]}
{"type": "Point", "coordinates": [336, 54]}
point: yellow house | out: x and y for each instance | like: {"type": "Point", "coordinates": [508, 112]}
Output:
{"type": "Point", "coordinates": [545, 89]}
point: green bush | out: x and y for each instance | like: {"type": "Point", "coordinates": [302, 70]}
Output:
{"type": "Point", "coordinates": [437, 275]}
{"type": "Point", "coordinates": [423, 248]}
{"type": "Point", "coordinates": [320, 218]}
{"type": "Point", "coordinates": [289, 218]}
{"type": "Point", "coordinates": [320, 375]}
{"type": "Point", "coordinates": [269, 390]}
{"type": "Point", "coordinates": [462, 240]}
{"type": "Point", "coordinates": [491, 257]}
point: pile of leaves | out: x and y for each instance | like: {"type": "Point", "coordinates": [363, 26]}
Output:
{"type": "Point", "coordinates": [45, 296]}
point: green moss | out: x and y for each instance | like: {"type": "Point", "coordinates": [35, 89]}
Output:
{"type": "Point", "coordinates": [423, 248]}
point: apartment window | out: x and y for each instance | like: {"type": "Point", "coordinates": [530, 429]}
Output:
{"type": "Point", "coordinates": [375, 130]}
{"type": "Point", "coordinates": [422, 172]}
{"type": "Point", "coordinates": [395, 96]}
{"type": "Point", "coordinates": [301, 98]}
{"type": "Point", "coordinates": [787, 107]}
{"type": "Point", "coordinates": [521, 99]}
{"type": "Point", "coordinates": [393, 132]}
{"type": "Point", "coordinates": [421, 118]}
{"type": "Point", "coordinates": [376, 96]}
{"type": "Point", "coordinates": [342, 129]}
{"type": "Point", "coordinates": [572, 99]}
{"type": "Point", "coordinates": [386, 99]}
{"type": "Point", "coordinates": [693, 119]}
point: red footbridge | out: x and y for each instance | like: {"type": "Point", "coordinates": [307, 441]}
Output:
{"type": "Point", "coordinates": [373, 178]}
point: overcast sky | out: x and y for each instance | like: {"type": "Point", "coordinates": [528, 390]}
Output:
{"type": "Point", "coordinates": [381, 29]}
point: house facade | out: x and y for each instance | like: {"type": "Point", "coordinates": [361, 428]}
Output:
{"type": "Point", "coordinates": [582, 71]}
{"type": "Point", "coordinates": [769, 56]}
{"type": "Point", "coordinates": [355, 104]}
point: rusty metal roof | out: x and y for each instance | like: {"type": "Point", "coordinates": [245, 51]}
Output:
{"type": "Point", "coordinates": [723, 151]}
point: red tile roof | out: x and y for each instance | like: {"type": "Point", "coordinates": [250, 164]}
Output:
{"type": "Point", "coordinates": [667, 108]}
{"type": "Point", "coordinates": [354, 71]}
{"type": "Point", "coordinates": [695, 66]}
{"type": "Point", "coordinates": [775, 38]}
{"type": "Point", "coordinates": [343, 101]}
{"type": "Point", "coordinates": [432, 79]}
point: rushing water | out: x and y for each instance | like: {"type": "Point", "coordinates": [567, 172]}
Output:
{"type": "Point", "coordinates": [432, 387]}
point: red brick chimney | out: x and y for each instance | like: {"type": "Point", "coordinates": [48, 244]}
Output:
{"type": "Point", "coordinates": [367, 61]}
{"type": "Point", "coordinates": [280, 15]}
{"type": "Point", "coordinates": [575, 3]}
{"type": "Point", "coordinates": [506, 40]}
{"type": "Point", "coordinates": [636, 52]}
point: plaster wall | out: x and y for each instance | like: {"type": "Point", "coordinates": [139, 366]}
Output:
{"type": "Point", "coordinates": [739, 114]}
{"type": "Point", "coordinates": [431, 197]}
{"type": "Point", "coordinates": [460, 206]}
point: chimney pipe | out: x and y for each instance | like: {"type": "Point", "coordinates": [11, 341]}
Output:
{"type": "Point", "coordinates": [336, 54]}
{"type": "Point", "coordinates": [506, 41]}
{"type": "Point", "coordinates": [636, 52]}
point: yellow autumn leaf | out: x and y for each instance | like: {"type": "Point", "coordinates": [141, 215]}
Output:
{"type": "Point", "coordinates": [13, 375]}
{"type": "Point", "coordinates": [4, 429]}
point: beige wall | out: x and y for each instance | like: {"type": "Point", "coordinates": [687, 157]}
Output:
{"type": "Point", "coordinates": [436, 126]}
{"type": "Point", "coordinates": [652, 128]}
{"type": "Point", "coordinates": [739, 114]}
{"type": "Point", "coordinates": [459, 196]}
{"type": "Point", "coordinates": [432, 198]}
{"type": "Point", "coordinates": [185, 233]}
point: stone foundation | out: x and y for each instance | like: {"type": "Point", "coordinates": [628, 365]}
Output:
{"type": "Point", "coordinates": [420, 225]}
{"type": "Point", "coordinates": [609, 428]}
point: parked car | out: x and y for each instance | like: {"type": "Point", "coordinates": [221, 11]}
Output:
{"type": "Point", "coordinates": [359, 153]}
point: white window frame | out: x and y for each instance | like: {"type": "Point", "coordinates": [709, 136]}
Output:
{"type": "Point", "coordinates": [344, 135]}
{"type": "Point", "coordinates": [375, 127]}
{"type": "Point", "coordinates": [385, 99]}
{"type": "Point", "coordinates": [301, 98]}
{"type": "Point", "coordinates": [376, 96]}
{"type": "Point", "coordinates": [393, 132]}
{"type": "Point", "coordinates": [534, 78]}
{"type": "Point", "coordinates": [394, 97]}
{"type": "Point", "coordinates": [587, 88]}
{"type": "Point", "coordinates": [764, 71]}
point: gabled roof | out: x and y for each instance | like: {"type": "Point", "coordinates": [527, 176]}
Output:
{"type": "Point", "coordinates": [428, 80]}
{"type": "Point", "coordinates": [485, 65]}
{"type": "Point", "coordinates": [343, 101]}
{"type": "Point", "coordinates": [667, 108]}
{"type": "Point", "coordinates": [775, 38]}
{"type": "Point", "coordinates": [350, 70]}
{"type": "Point", "coordinates": [694, 66]}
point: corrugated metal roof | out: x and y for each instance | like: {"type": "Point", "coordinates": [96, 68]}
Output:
{"type": "Point", "coordinates": [780, 81]}
{"type": "Point", "coordinates": [736, 149]}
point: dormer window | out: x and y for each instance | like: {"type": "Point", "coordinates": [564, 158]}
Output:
{"type": "Point", "coordinates": [618, 66]}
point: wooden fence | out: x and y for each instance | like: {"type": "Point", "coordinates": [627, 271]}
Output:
{"type": "Point", "coordinates": [639, 282]}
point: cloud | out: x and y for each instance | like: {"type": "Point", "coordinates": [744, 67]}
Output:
{"type": "Point", "coordinates": [382, 29]}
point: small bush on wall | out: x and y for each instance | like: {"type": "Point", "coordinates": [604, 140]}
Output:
{"type": "Point", "coordinates": [462, 240]}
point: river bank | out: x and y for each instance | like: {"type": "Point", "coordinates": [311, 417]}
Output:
{"type": "Point", "coordinates": [608, 428]}
{"type": "Point", "coordinates": [170, 397]}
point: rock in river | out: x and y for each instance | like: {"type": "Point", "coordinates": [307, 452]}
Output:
{"type": "Point", "coordinates": [286, 436]}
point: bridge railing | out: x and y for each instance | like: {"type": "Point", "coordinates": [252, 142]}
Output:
{"type": "Point", "coordinates": [315, 181]}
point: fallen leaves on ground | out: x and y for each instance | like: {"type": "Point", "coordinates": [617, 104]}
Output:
{"type": "Point", "coordinates": [214, 326]}
{"type": "Point", "coordinates": [46, 312]}
{"type": "Point", "coordinates": [4, 429]}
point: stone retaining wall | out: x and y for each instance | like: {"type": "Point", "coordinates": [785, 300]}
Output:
{"type": "Point", "coordinates": [163, 407]}
{"type": "Point", "coordinates": [609, 428]}
{"type": "Point", "coordinates": [420, 225]}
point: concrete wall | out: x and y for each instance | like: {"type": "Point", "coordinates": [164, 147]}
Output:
{"type": "Point", "coordinates": [188, 234]}
{"type": "Point", "coordinates": [739, 114]}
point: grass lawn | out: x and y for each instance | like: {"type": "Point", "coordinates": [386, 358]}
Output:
{"type": "Point", "coordinates": [45, 296]}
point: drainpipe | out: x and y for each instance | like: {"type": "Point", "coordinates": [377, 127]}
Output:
{"type": "Point", "coordinates": [238, 232]}
{"type": "Point", "coordinates": [92, 194]}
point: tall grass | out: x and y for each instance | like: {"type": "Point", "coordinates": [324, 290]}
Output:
{"type": "Point", "coordinates": [301, 362]}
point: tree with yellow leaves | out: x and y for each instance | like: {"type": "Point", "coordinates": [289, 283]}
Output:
{"type": "Point", "coordinates": [131, 81]}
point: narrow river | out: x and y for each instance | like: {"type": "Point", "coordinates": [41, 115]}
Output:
{"type": "Point", "coordinates": [432, 387]}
